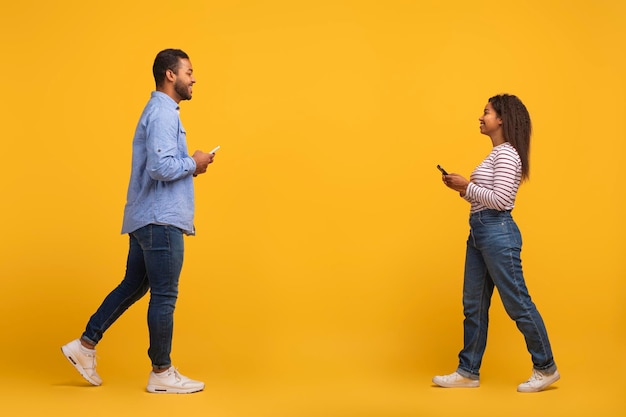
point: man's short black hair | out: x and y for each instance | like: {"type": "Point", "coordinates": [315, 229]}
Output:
{"type": "Point", "coordinates": [167, 59]}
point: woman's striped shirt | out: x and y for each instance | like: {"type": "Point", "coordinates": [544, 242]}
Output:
{"type": "Point", "coordinates": [494, 183]}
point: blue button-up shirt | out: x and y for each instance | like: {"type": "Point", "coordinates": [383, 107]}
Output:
{"type": "Point", "coordinates": [161, 181]}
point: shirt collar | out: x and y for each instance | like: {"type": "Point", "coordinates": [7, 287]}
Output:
{"type": "Point", "coordinates": [167, 100]}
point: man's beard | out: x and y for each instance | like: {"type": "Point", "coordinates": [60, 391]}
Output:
{"type": "Point", "coordinates": [182, 91]}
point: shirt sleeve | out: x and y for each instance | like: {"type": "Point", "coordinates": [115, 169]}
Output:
{"type": "Point", "coordinates": [505, 183]}
{"type": "Point", "coordinates": [165, 161]}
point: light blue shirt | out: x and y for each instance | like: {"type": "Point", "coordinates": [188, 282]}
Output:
{"type": "Point", "coordinates": [161, 180]}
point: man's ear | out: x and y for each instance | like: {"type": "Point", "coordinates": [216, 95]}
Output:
{"type": "Point", "coordinates": [170, 75]}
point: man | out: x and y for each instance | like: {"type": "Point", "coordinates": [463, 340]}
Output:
{"type": "Point", "coordinates": [159, 210]}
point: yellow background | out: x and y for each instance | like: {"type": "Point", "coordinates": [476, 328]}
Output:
{"type": "Point", "coordinates": [325, 279]}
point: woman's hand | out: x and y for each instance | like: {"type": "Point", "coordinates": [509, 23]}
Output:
{"type": "Point", "coordinates": [456, 182]}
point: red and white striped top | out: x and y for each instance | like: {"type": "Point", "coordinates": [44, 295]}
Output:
{"type": "Point", "coordinates": [494, 183]}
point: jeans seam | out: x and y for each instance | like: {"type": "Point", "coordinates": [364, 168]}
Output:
{"type": "Point", "coordinates": [528, 308]}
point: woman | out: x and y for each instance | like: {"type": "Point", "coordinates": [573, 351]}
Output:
{"type": "Point", "coordinates": [494, 246]}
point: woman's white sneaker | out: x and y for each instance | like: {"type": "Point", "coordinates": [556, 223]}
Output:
{"type": "Point", "coordinates": [538, 381]}
{"type": "Point", "coordinates": [172, 382]}
{"type": "Point", "coordinates": [455, 380]}
{"type": "Point", "coordinates": [83, 359]}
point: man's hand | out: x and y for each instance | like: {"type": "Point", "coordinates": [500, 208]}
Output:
{"type": "Point", "coordinates": [203, 160]}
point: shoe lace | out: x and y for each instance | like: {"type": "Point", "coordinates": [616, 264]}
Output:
{"type": "Point", "coordinates": [536, 376]}
{"type": "Point", "coordinates": [452, 377]}
{"type": "Point", "coordinates": [93, 358]}
{"type": "Point", "coordinates": [177, 375]}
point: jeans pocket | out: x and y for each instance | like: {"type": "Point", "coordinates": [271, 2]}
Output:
{"type": "Point", "coordinates": [515, 234]}
{"type": "Point", "coordinates": [144, 236]}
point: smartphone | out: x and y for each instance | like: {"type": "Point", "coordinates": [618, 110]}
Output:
{"type": "Point", "coordinates": [443, 171]}
{"type": "Point", "coordinates": [215, 149]}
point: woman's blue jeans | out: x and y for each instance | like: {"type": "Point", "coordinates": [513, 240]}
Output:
{"type": "Point", "coordinates": [155, 259]}
{"type": "Point", "coordinates": [493, 259]}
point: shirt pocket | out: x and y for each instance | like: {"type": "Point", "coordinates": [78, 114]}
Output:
{"type": "Point", "coordinates": [182, 141]}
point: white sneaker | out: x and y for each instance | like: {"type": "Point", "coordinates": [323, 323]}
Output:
{"type": "Point", "coordinates": [455, 380]}
{"type": "Point", "coordinates": [83, 359]}
{"type": "Point", "coordinates": [538, 381]}
{"type": "Point", "coordinates": [172, 382]}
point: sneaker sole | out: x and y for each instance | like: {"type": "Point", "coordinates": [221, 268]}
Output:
{"type": "Point", "coordinates": [68, 354]}
{"type": "Point", "coordinates": [155, 389]}
{"type": "Point", "coordinates": [461, 385]}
